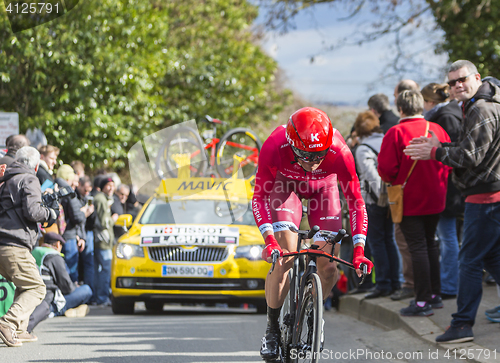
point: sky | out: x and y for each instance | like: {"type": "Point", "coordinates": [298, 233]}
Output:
{"type": "Point", "coordinates": [347, 75]}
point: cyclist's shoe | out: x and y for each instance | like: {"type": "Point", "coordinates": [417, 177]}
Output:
{"type": "Point", "coordinates": [270, 346]}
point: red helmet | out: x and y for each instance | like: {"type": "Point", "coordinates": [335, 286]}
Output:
{"type": "Point", "coordinates": [310, 133]}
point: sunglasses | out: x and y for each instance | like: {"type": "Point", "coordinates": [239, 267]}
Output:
{"type": "Point", "coordinates": [310, 157]}
{"type": "Point", "coordinates": [453, 82]}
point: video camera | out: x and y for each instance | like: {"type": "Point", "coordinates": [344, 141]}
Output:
{"type": "Point", "coordinates": [51, 200]}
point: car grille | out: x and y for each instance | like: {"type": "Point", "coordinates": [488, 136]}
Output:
{"type": "Point", "coordinates": [176, 283]}
{"type": "Point", "coordinates": [179, 254]}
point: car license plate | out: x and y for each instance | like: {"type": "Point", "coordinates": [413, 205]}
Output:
{"type": "Point", "coordinates": [187, 271]}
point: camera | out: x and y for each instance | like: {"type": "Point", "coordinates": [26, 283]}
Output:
{"type": "Point", "coordinates": [52, 199]}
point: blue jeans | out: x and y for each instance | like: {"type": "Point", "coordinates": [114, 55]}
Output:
{"type": "Point", "coordinates": [70, 251]}
{"type": "Point", "coordinates": [380, 238]}
{"type": "Point", "coordinates": [79, 296]}
{"type": "Point", "coordinates": [87, 259]}
{"type": "Point", "coordinates": [480, 250]}
{"type": "Point", "coordinates": [102, 275]}
{"type": "Point", "coordinates": [447, 232]}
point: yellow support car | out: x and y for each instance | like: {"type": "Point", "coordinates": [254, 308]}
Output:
{"type": "Point", "coordinates": [194, 241]}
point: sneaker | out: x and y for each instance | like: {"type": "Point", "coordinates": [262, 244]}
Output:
{"type": "Point", "coordinates": [78, 312]}
{"type": "Point", "coordinates": [436, 303]}
{"type": "Point", "coordinates": [456, 335]}
{"type": "Point", "coordinates": [493, 311]}
{"type": "Point", "coordinates": [26, 337]}
{"type": "Point", "coordinates": [403, 293]}
{"type": "Point", "coordinates": [415, 310]}
{"type": "Point", "coordinates": [270, 346]}
{"type": "Point", "coordinates": [494, 317]}
{"type": "Point", "coordinates": [9, 336]}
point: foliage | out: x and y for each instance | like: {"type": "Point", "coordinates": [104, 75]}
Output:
{"type": "Point", "coordinates": [472, 32]}
{"type": "Point", "coordinates": [110, 72]}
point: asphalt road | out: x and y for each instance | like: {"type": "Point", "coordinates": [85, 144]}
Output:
{"type": "Point", "coordinates": [191, 334]}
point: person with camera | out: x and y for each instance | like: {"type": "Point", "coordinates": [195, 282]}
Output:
{"type": "Point", "coordinates": [21, 210]}
{"type": "Point", "coordinates": [75, 215]}
{"type": "Point", "coordinates": [87, 255]}
{"type": "Point", "coordinates": [104, 239]}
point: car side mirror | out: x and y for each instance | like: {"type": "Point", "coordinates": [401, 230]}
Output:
{"type": "Point", "coordinates": [124, 220]}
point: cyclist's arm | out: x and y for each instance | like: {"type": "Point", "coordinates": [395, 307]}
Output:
{"type": "Point", "coordinates": [264, 182]}
{"type": "Point", "coordinates": [349, 182]}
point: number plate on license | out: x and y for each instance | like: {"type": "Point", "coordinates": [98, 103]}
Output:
{"type": "Point", "coordinates": [187, 271]}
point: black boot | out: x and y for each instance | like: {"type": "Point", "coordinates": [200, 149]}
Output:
{"type": "Point", "coordinates": [271, 341]}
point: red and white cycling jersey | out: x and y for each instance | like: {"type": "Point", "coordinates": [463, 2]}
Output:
{"type": "Point", "coordinates": [279, 176]}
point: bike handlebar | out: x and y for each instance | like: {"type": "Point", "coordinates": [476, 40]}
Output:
{"type": "Point", "coordinates": [312, 232]}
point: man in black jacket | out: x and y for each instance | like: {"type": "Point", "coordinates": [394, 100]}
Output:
{"type": "Point", "coordinates": [475, 159]}
{"type": "Point", "coordinates": [14, 143]}
{"type": "Point", "coordinates": [75, 214]}
{"type": "Point", "coordinates": [380, 106]}
{"type": "Point", "coordinates": [53, 270]}
{"type": "Point", "coordinates": [20, 211]}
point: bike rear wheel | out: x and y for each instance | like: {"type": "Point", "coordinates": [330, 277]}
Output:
{"type": "Point", "coordinates": [183, 140]}
{"type": "Point", "coordinates": [242, 142]}
{"type": "Point", "coordinates": [306, 342]}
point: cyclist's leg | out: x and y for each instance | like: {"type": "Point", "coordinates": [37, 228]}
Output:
{"type": "Point", "coordinates": [325, 212]}
{"type": "Point", "coordinates": [286, 211]}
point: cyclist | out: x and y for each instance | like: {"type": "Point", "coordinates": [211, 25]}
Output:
{"type": "Point", "coordinates": [304, 159]}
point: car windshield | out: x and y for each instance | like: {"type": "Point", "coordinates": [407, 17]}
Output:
{"type": "Point", "coordinates": [197, 212]}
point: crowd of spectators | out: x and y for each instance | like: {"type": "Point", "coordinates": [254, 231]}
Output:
{"type": "Point", "coordinates": [444, 151]}
{"type": "Point", "coordinates": [57, 254]}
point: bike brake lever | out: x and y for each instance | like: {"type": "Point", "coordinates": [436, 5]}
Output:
{"type": "Point", "coordinates": [275, 254]}
{"type": "Point", "coordinates": [364, 270]}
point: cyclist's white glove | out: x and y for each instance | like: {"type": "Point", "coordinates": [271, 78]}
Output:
{"type": "Point", "coordinates": [271, 244]}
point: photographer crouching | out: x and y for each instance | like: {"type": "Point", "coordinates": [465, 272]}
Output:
{"type": "Point", "coordinates": [20, 210]}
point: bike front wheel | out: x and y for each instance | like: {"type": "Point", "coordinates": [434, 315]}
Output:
{"type": "Point", "coordinates": [306, 342]}
{"type": "Point", "coordinates": [243, 143]}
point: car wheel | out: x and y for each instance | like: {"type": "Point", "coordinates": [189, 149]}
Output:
{"type": "Point", "coordinates": [154, 306]}
{"type": "Point", "coordinates": [122, 306]}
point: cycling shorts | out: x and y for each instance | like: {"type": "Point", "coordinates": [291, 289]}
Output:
{"type": "Point", "coordinates": [324, 209]}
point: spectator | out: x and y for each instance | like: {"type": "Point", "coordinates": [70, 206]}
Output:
{"type": "Point", "coordinates": [380, 235]}
{"type": "Point", "coordinates": [119, 207]}
{"type": "Point", "coordinates": [87, 256]}
{"type": "Point", "coordinates": [103, 241]}
{"type": "Point", "coordinates": [21, 202]}
{"type": "Point", "coordinates": [75, 215]}
{"type": "Point", "coordinates": [439, 109]}
{"type": "Point", "coordinates": [424, 197]}
{"type": "Point", "coordinates": [53, 270]}
{"type": "Point", "coordinates": [14, 143]}
{"type": "Point", "coordinates": [79, 168]}
{"type": "Point", "coordinates": [48, 159]}
{"type": "Point", "coordinates": [408, 286]}
{"type": "Point", "coordinates": [380, 106]}
{"type": "Point", "coordinates": [475, 159]}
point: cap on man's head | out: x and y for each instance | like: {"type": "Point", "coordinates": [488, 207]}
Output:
{"type": "Point", "coordinates": [66, 172]}
{"type": "Point", "coordinates": [105, 181]}
{"type": "Point", "coordinates": [53, 237]}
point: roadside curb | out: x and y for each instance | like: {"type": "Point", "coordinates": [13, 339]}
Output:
{"type": "Point", "coordinates": [384, 313]}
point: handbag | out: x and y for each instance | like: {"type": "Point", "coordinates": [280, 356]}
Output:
{"type": "Point", "coordinates": [395, 192]}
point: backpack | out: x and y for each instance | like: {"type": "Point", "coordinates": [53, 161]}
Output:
{"type": "Point", "coordinates": [382, 200]}
{"type": "Point", "coordinates": [7, 290]}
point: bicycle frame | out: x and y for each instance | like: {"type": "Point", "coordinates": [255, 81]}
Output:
{"type": "Point", "coordinates": [296, 292]}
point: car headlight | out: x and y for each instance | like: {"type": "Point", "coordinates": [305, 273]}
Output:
{"type": "Point", "coordinates": [127, 251]}
{"type": "Point", "coordinates": [251, 253]}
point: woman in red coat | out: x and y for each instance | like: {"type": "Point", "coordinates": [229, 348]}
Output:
{"type": "Point", "coordinates": [424, 197]}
